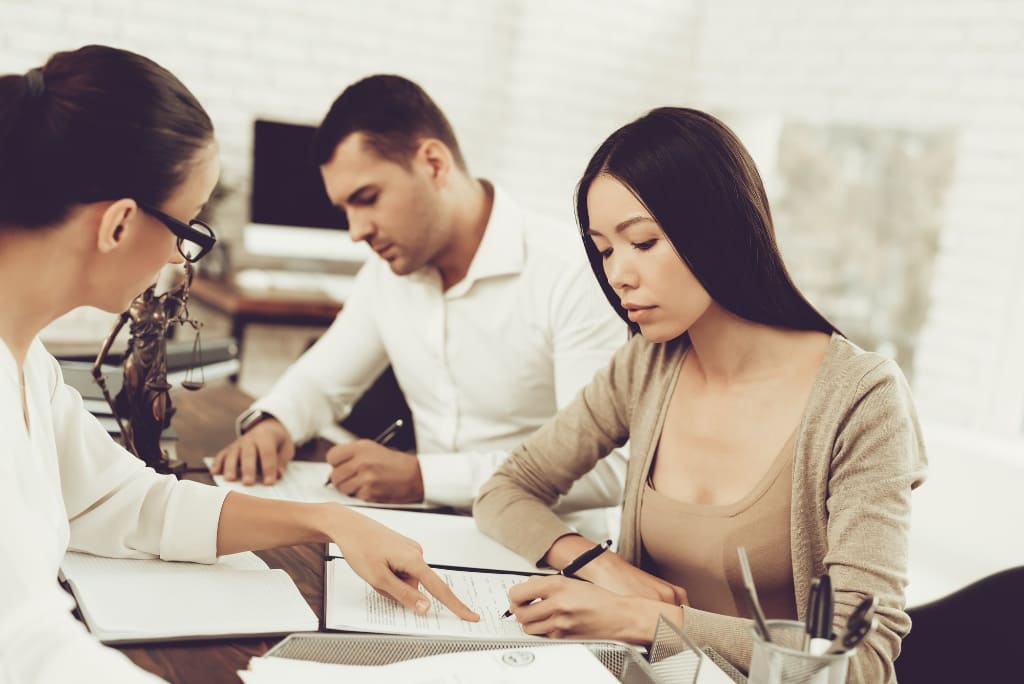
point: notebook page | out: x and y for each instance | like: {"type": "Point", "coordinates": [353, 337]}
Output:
{"type": "Point", "coordinates": [450, 540]}
{"type": "Point", "coordinates": [139, 600]}
{"type": "Point", "coordinates": [304, 481]}
{"type": "Point", "coordinates": [353, 605]}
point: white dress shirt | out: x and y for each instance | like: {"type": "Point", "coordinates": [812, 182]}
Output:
{"type": "Point", "coordinates": [64, 483]}
{"type": "Point", "coordinates": [482, 365]}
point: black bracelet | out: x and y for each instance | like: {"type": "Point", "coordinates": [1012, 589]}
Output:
{"type": "Point", "coordinates": [579, 561]}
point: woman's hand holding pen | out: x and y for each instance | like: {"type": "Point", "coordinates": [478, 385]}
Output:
{"type": "Point", "coordinates": [560, 607]}
{"type": "Point", "coordinates": [611, 571]}
{"type": "Point", "coordinates": [372, 472]}
{"type": "Point", "coordinates": [392, 564]}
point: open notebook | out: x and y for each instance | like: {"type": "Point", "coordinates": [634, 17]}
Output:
{"type": "Point", "coordinates": [128, 600]}
{"type": "Point", "coordinates": [478, 569]}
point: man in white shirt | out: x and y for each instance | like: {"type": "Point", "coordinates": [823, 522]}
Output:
{"type": "Point", "coordinates": [488, 314]}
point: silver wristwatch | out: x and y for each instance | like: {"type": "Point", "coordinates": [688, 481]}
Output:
{"type": "Point", "coordinates": [250, 418]}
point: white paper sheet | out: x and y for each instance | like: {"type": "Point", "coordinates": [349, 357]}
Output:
{"type": "Point", "coordinates": [451, 540]}
{"type": "Point", "coordinates": [354, 606]}
{"type": "Point", "coordinates": [138, 600]}
{"type": "Point", "coordinates": [304, 481]}
{"type": "Point", "coordinates": [559, 663]}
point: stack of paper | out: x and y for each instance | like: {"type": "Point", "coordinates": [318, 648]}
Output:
{"type": "Point", "coordinates": [126, 600]}
{"type": "Point", "coordinates": [478, 569]}
{"type": "Point", "coordinates": [304, 481]}
{"type": "Point", "coordinates": [549, 663]}
{"type": "Point", "coordinates": [352, 605]}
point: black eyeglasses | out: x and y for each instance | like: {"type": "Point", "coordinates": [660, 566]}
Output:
{"type": "Point", "coordinates": [195, 238]}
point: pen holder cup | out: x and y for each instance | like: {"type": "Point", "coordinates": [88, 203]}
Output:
{"type": "Point", "coordinates": [673, 657]}
{"type": "Point", "coordinates": [782, 661]}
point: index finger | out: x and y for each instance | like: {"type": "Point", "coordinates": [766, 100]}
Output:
{"type": "Point", "coordinates": [440, 590]}
{"type": "Point", "coordinates": [539, 587]}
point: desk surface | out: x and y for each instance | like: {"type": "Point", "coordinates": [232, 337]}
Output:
{"type": "Point", "coordinates": [205, 422]}
{"type": "Point", "coordinates": [307, 308]}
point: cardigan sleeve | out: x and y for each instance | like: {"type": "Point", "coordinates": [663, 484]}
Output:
{"type": "Point", "coordinates": [877, 459]}
{"type": "Point", "coordinates": [514, 506]}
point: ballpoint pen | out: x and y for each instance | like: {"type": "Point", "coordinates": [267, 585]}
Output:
{"type": "Point", "coordinates": [823, 612]}
{"type": "Point", "coordinates": [577, 563]}
{"type": "Point", "coordinates": [383, 438]}
{"type": "Point", "coordinates": [753, 603]}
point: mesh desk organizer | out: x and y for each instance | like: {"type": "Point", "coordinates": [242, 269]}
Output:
{"type": "Point", "coordinates": [624, 662]}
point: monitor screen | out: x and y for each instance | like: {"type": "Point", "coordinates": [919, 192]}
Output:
{"type": "Point", "coordinates": [287, 189]}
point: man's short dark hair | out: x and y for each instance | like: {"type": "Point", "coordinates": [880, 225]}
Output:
{"type": "Point", "coordinates": [394, 114]}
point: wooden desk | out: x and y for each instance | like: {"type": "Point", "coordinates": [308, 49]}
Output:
{"type": "Point", "coordinates": [205, 422]}
{"type": "Point", "coordinates": [275, 307]}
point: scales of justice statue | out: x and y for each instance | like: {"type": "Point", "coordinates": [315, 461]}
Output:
{"type": "Point", "coordinates": [143, 406]}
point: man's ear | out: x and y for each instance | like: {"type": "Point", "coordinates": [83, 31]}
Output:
{"type": "Point", "coordinates": [438, 159]}
{"type": "Point", "coordinates": [113, 222]}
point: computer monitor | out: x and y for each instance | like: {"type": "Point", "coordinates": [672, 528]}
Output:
{"type": "Point", "coordinates": [290, 214]}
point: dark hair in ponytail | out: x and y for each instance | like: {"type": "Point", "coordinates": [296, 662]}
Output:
{"type": "Point", "coordinates": [93, 124]}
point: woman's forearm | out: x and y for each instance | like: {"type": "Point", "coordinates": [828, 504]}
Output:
{"type": "Point", "coordinates": [250, 523]}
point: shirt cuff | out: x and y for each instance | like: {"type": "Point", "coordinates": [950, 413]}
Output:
{"type": "Point", "coordinates": [190, 526]}
{"type": "Point", "coordinates": [291, 420]}
{"type": "Point", "coordinates": [447, 480]}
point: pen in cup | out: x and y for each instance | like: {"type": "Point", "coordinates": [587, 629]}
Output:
{"type": "Point", "coordinates": [383, 438]}
{"type": "Point", "coordinates": [819, 617]}
{"type": "Point", "coordinates": [752, 602]}
{"type": "Point", "coordinates": [811, 625]}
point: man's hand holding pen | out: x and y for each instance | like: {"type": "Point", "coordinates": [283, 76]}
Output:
{"type": "Point", "coordinates": [368, 470]}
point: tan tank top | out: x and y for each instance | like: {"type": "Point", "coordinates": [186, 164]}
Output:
{"type": "Point", "coordinates": [694, 546]}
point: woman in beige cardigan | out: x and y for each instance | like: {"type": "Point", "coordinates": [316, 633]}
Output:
{"type": "Point", "coordinates": [752, 421]}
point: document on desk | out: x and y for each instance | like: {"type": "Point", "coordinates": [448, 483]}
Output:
{"type": "Point", "coordinates": [129, 600]}
{"type": "Point", "coordinates": [548, 663]}
{"type": "Point", "coordinates": [352, 605]}
{"type": "Point", "coordinates": [451, 540]}
{"type": "Point", "coordinates": [304, 481]}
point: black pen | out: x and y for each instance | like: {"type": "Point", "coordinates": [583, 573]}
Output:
{"type": "Point", "coordinates": [383, 438]}
{"type": "Point", "coordinates": [577, 563]}
{"type": "Point", "coordinates": [813, 613]}
{"type": "Point", "coordinates": [822, 613]}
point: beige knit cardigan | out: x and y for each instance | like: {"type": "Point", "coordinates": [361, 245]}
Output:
{"type": "Point", "coordinates": [859, 454]}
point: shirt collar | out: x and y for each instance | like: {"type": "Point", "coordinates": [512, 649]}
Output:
{"type": "Point", "coordinates": [501, 250]}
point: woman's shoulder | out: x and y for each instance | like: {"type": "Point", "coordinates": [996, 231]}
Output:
{"type": "Point", "coordinates": [859, 387]}
{"type": "Point", "coordinates": [849, 366]}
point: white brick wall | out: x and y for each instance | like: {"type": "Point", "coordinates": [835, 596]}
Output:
{"type": "Point", "coordinates": [532, 87]}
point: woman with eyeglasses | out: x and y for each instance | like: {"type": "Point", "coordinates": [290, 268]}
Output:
{"type": "Point", "coordinates": [105, 161]}
{"type": "Point", "coordinates": [752, 422]}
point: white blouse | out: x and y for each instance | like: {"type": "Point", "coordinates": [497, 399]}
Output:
{"type": "Point", "coordinates": [65, 484]}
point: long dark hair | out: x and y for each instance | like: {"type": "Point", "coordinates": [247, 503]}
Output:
{"type": "Point", "coordinates": [701, 186]}
{"type": "Point", "coordinates": [93, 124]}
